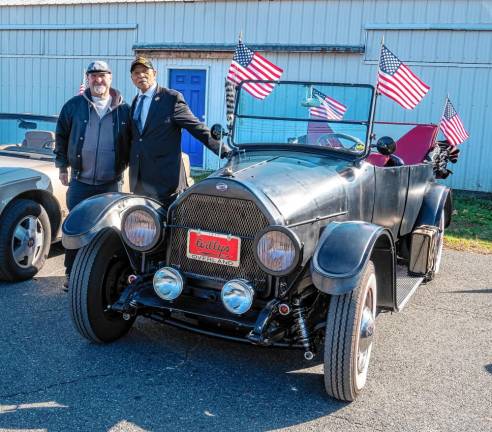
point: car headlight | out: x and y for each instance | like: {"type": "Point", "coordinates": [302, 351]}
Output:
{"type": "Point", "coordinates": [277, 250]}
{"type": "Point", "coordinates": [141, 228]}
{"type": "Point", "coordinates": [237, 296]}
{"type": "Point", "coordinates": [168, 283]}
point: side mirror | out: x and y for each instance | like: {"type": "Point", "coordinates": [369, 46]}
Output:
{"type": "Point", "coordinates": [218, 132]}
{"type": "Point", "coordinates": [386, 145]}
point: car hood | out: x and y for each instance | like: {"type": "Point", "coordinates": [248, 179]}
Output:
{"type": "Point", "coordinates": [9, 163]}
{"type": "Point", "coordinates": [301, 186]}
{"type": "Point", "coordinates": [23, 170]}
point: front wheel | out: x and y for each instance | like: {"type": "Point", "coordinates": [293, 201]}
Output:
{"type": "Point", "coordinates": [98, 277]}
{"type": "Point", "coordinates": [348, 338]}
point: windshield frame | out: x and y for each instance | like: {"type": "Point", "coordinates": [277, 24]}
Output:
{"type": "Point", "coordinates": [28, 153]}
{"type": "Point", "coordinates": [28, 116]}
{"type": "Point", "coordinates": [368, 123]}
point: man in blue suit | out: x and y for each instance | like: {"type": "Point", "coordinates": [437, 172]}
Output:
{"type": "Point", "coordinates": [158, 115]}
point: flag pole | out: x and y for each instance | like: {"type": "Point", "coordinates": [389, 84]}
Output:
{"type": "Point", "coordinates": [224, 108]}
{"type": "Point", "coordinates": [442, 115]}
{"type": "Point", "coordinates": [373, 108]}
{"type": "Point", "coordinates": [443, 111]}
{"type": "Point", "coordinates": [379, 62]}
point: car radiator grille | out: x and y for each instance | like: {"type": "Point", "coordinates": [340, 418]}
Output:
{"type": "Point", "coordinates": [238, 217]}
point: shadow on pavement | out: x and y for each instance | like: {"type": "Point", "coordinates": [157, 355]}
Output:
{"type": "Point", "coordinates": [56, 249]}
{"type": "Point", "coordinates": [155, 378]}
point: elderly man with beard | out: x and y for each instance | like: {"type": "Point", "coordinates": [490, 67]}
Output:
{"type": "Point", "coordinates": [92, 145]}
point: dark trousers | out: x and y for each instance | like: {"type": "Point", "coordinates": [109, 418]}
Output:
{"type": "Point", "coordinates": [76, 193]}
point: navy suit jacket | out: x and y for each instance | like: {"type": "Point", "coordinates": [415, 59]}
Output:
{"type": "Point", "coordinates": [156, 169]}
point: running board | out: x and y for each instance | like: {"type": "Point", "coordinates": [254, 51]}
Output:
{"type": "Point", "coordinates": [405, 286]}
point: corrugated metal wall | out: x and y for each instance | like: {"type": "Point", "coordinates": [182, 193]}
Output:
{"type": "Point", "coordinates": [448, 43]}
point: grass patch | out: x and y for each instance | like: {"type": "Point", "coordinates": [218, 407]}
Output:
{"type": "Point", "coordinates": [471, 224]}
{"type": "Point", "coordinates": [200, 175]}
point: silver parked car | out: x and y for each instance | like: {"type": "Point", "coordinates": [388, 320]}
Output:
{"type": "Point", "coordinates": [32, 199]}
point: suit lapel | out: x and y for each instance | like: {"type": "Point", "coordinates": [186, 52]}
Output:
{"type": "Point", "coordinates": [153, 108]}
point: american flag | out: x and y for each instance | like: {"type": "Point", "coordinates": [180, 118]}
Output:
{"type": "Point", "coordinates": [83, 85]}
{"type": "Point", "coordinates": [452, 126]}
{"type": "Point", "coordinates": [249, 65]}
{"type": "Point", "coordinates": [398, 82]}
{"type": "Point", "coordinates": [330, 109]}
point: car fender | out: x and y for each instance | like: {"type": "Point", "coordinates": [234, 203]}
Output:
{"type": "Point", "coordinates": [20, 180]}
{"type": "Point", "coordinates": [102, 211]}
{"type": "Point", "coordinates": [436, 199]}
{"type": "Point", "coordinates": [343, 252]}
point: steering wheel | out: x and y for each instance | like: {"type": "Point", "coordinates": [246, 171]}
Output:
{"type": "Point", "coordinates": [325, 140]}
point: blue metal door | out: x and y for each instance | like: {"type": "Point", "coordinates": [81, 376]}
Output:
{"type": "Point", "coordinates": [191, 83]}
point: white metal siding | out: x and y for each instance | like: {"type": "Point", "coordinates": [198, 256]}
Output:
{"type": "Point", "coordinates": [448, 43]}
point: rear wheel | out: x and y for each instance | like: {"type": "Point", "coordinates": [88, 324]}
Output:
{"type": "Point", "coordinates": [348, 338]}
{"type": "Point", "coordinates": [98, 277]}
{"type": "Point", "coordinates": [25, 238]}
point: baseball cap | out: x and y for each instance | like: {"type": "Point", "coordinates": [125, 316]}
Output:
{"type": "Point", "coordinates": [141, 61]}
{"type": "Point", "coordinates": [98, 66]}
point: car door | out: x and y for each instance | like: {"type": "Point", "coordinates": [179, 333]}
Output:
{"type": "Point", "coordinates": [391, 186]}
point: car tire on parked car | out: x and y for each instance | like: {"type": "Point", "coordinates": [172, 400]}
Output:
{"type": "Point", "coordinates": [348, 338]}
{"type": "Point", "coordinates": [98, 277]}
{"type": "Point", "coordinates": [25, 240]}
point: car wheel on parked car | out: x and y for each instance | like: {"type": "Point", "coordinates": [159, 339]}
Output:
{"type": "Point", "coordinates": [25, 240]}
{"type": "Point", "coordinates": [98, 277]}
{"type": "Point", "coordinates": [348, 338]}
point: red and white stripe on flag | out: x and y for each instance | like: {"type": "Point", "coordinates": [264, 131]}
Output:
{"type": "Point", "coordinates": [330, 109]}
{"type": "Point", "coordinates": [451, 125]}
{"type": "Point", "coordinates": [247, 65]}
{"type": "Point", "coordinates": [398, 82]}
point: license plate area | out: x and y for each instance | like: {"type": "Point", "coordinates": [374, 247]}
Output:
{"type": "Point", "coordinates": [213, 248]}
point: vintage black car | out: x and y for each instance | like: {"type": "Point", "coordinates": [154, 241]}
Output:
{"type": "Point", "coordinates": [313, 227]}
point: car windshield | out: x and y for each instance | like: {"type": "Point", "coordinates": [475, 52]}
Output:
{"type": "Point", "coordinates": [328, 115]}
{"type": "Point", "coordinates": [27, 134]}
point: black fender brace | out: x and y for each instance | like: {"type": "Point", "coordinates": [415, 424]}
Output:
{"type": "Point", "coordinates": [343, 252]}
{"type": "Point", "coordinates": [436, 199]}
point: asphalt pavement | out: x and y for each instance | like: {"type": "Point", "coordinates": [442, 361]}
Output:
{"type": "Point", "coordinates": [431, 368]}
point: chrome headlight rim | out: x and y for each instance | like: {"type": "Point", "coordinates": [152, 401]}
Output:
{"type": "Point", "coordinates": [157, 220]}
{"type": "Point", "coordinates": [247, 287]}
{"type": "Point", "coordinates": [295, 241]}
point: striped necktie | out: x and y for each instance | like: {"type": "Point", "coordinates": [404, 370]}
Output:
{"type": "Point", "coordinates": [137, 115]}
